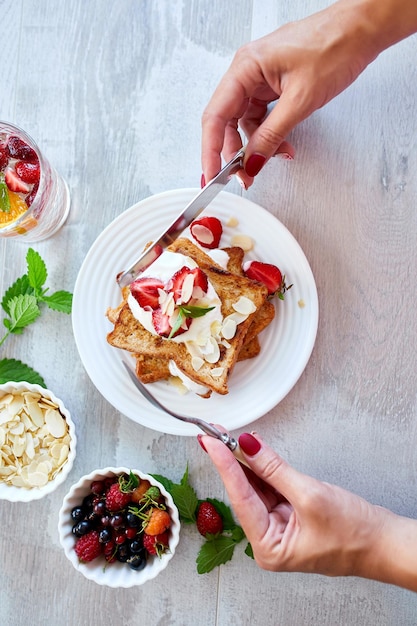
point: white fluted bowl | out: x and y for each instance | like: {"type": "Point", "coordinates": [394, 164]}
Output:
{"type": "Point", "coordinates": [23, 494]}
{"type": "Point", "coordinates": [114, 574]}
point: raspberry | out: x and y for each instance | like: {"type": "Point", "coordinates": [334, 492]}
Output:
{"type": "Point", "coordinates": [88, 547]}
{"type": "Point", "coordinates": [19, 149]}
{"type": "Point", "coordinates": [140, 491]}
{"type": "Point", "coordinates": [158, 522]}
{"type": "Point", "coordinates": [28, 172]}
{"type": "Point", "coordinates": [156, 544]}
{"type": "Point", "coordinates": [116, 499]}
{"type": "Point", "coordinates": [208, 520]}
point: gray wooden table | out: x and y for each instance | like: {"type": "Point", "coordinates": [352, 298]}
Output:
{"type": "Point", "coordinates": [113, 92]}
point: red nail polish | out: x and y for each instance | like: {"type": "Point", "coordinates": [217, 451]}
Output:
{"type": "Point", "coordinates": [200, 441]}
{"type": "Point", "coordinates": [202, 181]}
{"type": "Point", "coordinates": [249, 444]}
{"type": "Point", "coordinates": [254, 164]}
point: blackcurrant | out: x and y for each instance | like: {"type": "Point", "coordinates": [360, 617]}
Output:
{"type": "Point", "coordinates": [77, 513]}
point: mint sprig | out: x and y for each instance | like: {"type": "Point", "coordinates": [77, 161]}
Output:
{"type": "Point", "coordinates": [22, 303]}
{"type": "Point", "coordinates": [187, 311]}
{"type": "Point", "coordinates": [4, 195]}
{"type": "Point", "coordinates": [217, 549]}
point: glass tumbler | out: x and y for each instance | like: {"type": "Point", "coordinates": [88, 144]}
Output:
{"type": "Point", "coordinates": [34, 198]}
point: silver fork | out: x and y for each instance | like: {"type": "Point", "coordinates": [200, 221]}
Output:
{"type": "Point", "coordinates": [207, 428]}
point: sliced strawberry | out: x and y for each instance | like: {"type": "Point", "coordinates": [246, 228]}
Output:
{"type": "Point", "coordinates": [145, 291]}
{"type": "Point", "coordinates": [207, 231]}
{"type": "Point", "coordinates": [19, 149]}
{"type": "Point", "coordinates": [4, 159]}
{"type": "Point", "coordinates": [161, 323]}
{"type": "Point", "coordinates": [177, 281]}
{"type": "Point", "coordinates": [15, 183]}
{"type": "Point", "coordinates": [28, 172]}
{"type": "Point", "coordinates": [265, 273]}
{"type": "Point", "coordinates": [31, 196]}
{"type": "Point", "coordinates": [200, 281]}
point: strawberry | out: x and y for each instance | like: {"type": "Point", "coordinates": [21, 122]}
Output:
{"type": "Point", "coordinates": [265, 273]}
{"type": "Point", "coordinates": [88, 547]}
{"type": "Point", "coordinates": [14, 183]}
{"type": "Point", "coordinates": [145, 291]}
{"type": "Point", "coordinates": [209, 520]}
{"type": "Point", "coordinates": [31, 196]}
{"type": "Point", "coordinates": [183, 296]}
{"type": "Point", "coordinates": [19, 149]}
{"type": "Point", "coordinates": [207, 231]}
{"type": "Point", "coordinates": [158, 522]}
{"type": "Point", "coordinates": [161, 323]}
{"type": "Point", "coordinates": [200, 280]}
{"type": "Point", "coordinates": [28, 172]}
{"type": "Point", "coordinates": [177, 281]}
{"type": "Point", "coordinates": [4, 159]}
{"type": "Point", "coordinates": [156, 544]}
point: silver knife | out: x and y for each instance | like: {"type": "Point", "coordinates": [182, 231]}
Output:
{"type": "Point", "coordinates": [184, 219]}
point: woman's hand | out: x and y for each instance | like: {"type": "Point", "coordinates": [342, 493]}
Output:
{"type": "Point", "coordinates": [294, 522]}
{"type": "Point", "coordinates": [302, 66]}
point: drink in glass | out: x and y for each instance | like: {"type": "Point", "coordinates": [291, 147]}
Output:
{"type": "Point", "coordinates": [34, 199]}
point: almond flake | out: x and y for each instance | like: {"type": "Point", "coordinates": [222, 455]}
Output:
{"type": "Point", "coordinates": [244, 305]}
{"type": "Point", "coordinates": [232, 222]}
{"type": "Point", "coordinates": [216, 372]}
{"type": "Point", "coordinates": [242, 241]}
{"type": "Point", "coordinates": [229, 328]}
{"type": "Point", "coordinates": [197, 363]}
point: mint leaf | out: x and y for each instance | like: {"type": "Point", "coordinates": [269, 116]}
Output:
{"type": "Point", "coordinates": [186, 502]}
{"type": "Point", "coordinates": [166, 482]}
{"type": "Point", "coordinates": [4, 195]}
{"type": "Point", "coordinates": [249, 551]}
{"type": "Point", "coordinates": [20, 287]}
{"type": "Point", "coordinates": [194, 311]}
{"type": "Point", "coordinates": [37, 273]}
{"type": "Point", "coordinates": [12, 369]}
{"type": "Point", "coordinates": [213, 553]}
{"type": "Point", "coordinates": [177, 325]}
{"type": "Point", "coordinates": [23, 311]}
{"type": "Point", "coordinates": [58, 301]}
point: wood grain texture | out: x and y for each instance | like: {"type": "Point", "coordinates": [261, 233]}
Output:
{"type": "Point", "coordinates": [113, 92]}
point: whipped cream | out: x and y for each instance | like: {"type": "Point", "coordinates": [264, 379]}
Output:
{"type": "Point", "coordinates": [187, 382]}
{"type": "Point", "coordinates": [163, 268]}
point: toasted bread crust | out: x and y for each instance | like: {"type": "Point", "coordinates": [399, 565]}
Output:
{"type": "Point", "coordinates": [153, 352]}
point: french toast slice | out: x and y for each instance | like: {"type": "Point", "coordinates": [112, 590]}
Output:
{"type": "Point", "coordinates": [130, 335]}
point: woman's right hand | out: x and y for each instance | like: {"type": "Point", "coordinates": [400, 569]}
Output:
{"type": "Point", "coordinates": [302, 66]}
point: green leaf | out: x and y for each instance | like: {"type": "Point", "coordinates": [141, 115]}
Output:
{"type": "Point", "coordinates": [12, 369]}
{"type": "Point", "coordinates": [195, 311]}
{"type": "Point", "coordinates": [36, 269]}
{"type": "Point", "coordinates": [166, 482]}
{"type": "Point", "coordinates": [58, 301]}
{"type": "Point", "coordinates": [213, 553]}
{"type": "Point", "coordinates": [186, 501]}
{"type": "Point", "coordinates": [4, 195]}
{"type": "Point", "coordinates": [20, 287]}
{"type": "Point", "coordinates": [23, 311]}
{"type": "Point", "coordinates": [177, 325]}
{"type": "Point", "coordinates": [237, 534]}
{"type": "Point", "coordinates": [249, 551]}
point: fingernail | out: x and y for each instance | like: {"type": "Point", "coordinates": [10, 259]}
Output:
{"type": "Point", "coordinates": [203, 181]}
{"type": "Point", "coordinates": [284, 156]}
{"type": "Point", "coordinates": [249, 444]}
{"type": "Point", "coordinates": [200, 441]}
{"type": "Point", "coordinates": [254, 164]}
{"type": "Point", "coordinates": [241, 182]}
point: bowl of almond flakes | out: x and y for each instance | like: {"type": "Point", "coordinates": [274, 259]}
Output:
{"type": "Point", "coordinates": [37, 442]}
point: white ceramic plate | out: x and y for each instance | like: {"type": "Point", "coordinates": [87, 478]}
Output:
{"type": "Point", "coordinates": [256, 385]}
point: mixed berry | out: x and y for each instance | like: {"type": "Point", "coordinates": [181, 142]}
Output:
{"type": "Point", "coordinates": [19, 177]}
{"type": "Point", "coordinates": [124, 519]}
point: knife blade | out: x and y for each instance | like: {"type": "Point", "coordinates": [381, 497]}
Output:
{"type": "Point", "coordinates": [184, 219]}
